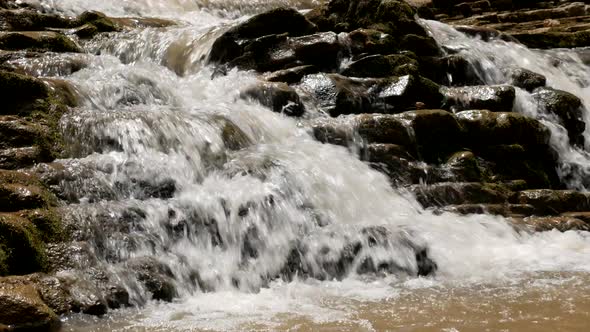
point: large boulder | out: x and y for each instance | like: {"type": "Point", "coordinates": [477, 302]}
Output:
{"type": "Point", "coordinates": [22, 309]}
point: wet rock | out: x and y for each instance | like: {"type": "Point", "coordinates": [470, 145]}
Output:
{"type": "Point", "coordinates": [526, 79]}
{"type": "Point", "coordinates": [233, 137]}
{"type": "Point", "coordinates": [421, 45]}
{"type": "Point", "coordinates": [584, 216]}
{"type": "Point", "coordinates": [505, 210]}
{"type": "Point", "coordinates": [358, 254]}
{"type": "Point", "coordinates": [63, 91]}
{"type": "Point", "coordinates": [562, 224]}
{"type": "Point", "coordinates": [437, 132]}
{"type": "Point", "coordinates": [22, 309]}
{"type": "Point", "coordinates": [551, 202]}
{"type": "Point", "coordinates": [567, 107]}
{"type": "Point", "coordinates": [493, 128]}
{"type": "Point", "coordinates": [499, 98]}
{"type": "Point", "coordinates": [465, 165]}
{"type": "Point", "coordinates": [337, 94]}
{"type": "Point", "coordinates": [39, 41]}
{"type": "Point", "coordinates": [537, 167]}
{"type": "Point", "coordinates": [328, 130]}
{"type": "Point", "coordinates": [32, 20]}
{"type": "Point", "coordinates": [442, 194]}
{"type": "Point", "coordinates": [389, 16]}
{"type": "Point", "coordinates": [320, 49]}
{"type": "Point", "coordinates": [17, 132]}
{"type": "Point", "coordinates": [279, 97]}
{"type": "Point", "coordinates": [485, 33]}
{"type": "Point", "coordinates": [19, 191]}
{"type": "Point", "coordinates": [292, 75]}
{"type": "Point", "coordinates": [450, 70]}
{"type": "Point", "coordinates": [382, 66]}
{"type": "Point", "coordinates": [21, 249]}
{"type": "Point", "coordinates": [367, 41]}
{"type": "Point", "coordinates": [282, 20]}
{"type": "Point", "coordinates": [155, 276]}
{"type": "Point", "coordinates": [404, 91]}
{"type": "Point", "coordinates": [376, 128]}
{"type": "Point", "coordinates": [19, 93]}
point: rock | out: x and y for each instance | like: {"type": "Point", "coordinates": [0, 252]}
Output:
{"type": "Point", "coordinates": [21, 249]}
{"type": "Point", "coordinates": [537, 167]}
{"type": "Point", "coordinates": [63, 90]}
{"type": "Point", "coordinates": [40, 41]}
{"type": "Point", "coordinates": [32, 20]}
{"type": "Point", "coordinates": [17, 132]}
{"type": "Point", "coordinates": [403, 92]}
{"type": "Point", "coordinates": [551, 202]}
{"type": "Point", "coordinates": [320, 49]}
{"type": "Point", "coordinates": [562, 224]}
{"type": "Point", "coordinates": [584, 216]}
{"type": "Point", "coordinates": [389, 16]}
{"type": "Point", "coordinates": [505, 210]}
{"type": "Point", "coordinates": [497, 98]}
{"type": "Point", "coordinates": [373, 250]}
{"type": "Point", "coordinates": [450, 70]}
{"type": "Point", "coordinates": [376, 128]}
{"type": "Point", "coordinates": [279, 97]}
{"type": "Point", "coordinates": [465, 165]}
{"type": "Point", "coordinates": [421, 45]}
{"type": "Point", "coordinates": [526, 79]}
{"type": "Point", "coordinates": [442, 194]}
{"type": "Point", "coordinates": [292, 75]}
{"type": "Point", "coordinates": [22, 309]}
{"type": "Point", "coordinates": [337, 94]}
{"type": "Point", "coordinates": [367, 41]}
{"type": "Point", "coordinates": [233, 137]}
{"type": "Point", "coordinates": [281, 20]}
{"type": "Point", "coordinates": [485, 33]}
{"type": "Point", "coordinates": [567, 107]}
{"type": "Point", "coordinates": [19, 93]}
{"type": "Point", "coordinates": [492, 128]}
{"type": "Point", "coordinates": [382, 66]}
{"type": "Point", "coordinates": [155, 276]}
{"type": "Point", "coordinates": [329, 130]}
{"type": "Point", "coordinates": [436, 132]}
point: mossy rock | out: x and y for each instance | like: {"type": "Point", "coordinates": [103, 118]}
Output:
{"type": "Point", "coordinates": [21, 243]}
{"type": "Point", "coordinates": [38, 41]}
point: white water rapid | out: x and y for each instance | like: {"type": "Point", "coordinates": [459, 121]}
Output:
{"type": "Point", "coordinates": [237, 187]}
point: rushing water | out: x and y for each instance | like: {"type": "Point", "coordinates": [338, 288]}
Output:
{"type": "Point", "coordinates": [226, 210]}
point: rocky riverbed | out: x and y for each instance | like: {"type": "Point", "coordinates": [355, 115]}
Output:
{"type": "Point", "coordinates": [97, 215]}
